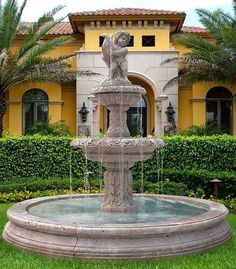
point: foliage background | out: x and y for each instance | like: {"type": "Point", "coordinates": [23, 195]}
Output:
{"type": "Point", "coordinates": [192, 161]}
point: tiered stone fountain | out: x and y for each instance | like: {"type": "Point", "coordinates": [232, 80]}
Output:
{"type": "Point", "coordinates": [118, 150]}
{"type": "Point", "coordinates": [120, 226]}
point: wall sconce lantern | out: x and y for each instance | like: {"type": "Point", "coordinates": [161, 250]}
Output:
{"type": "Point", "coordinates": [84, 113]}
{"type": "Point", "coordinates": [170, 113]}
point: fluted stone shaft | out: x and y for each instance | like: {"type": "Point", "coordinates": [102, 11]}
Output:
{"type": "Point", "coordinates": [118, 121]}
{"type": "Point", "coordinates": [118, 190]}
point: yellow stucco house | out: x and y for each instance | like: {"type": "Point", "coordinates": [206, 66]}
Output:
{"type": "Point", "coordinates": [151, 44]}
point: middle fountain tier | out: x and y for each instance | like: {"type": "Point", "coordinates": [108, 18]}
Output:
{"type": "Point", "coordinates": [117, 151]}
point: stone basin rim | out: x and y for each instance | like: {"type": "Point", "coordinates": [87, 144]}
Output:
{"type": "Point", "coordinates": [132, 89]}
{"type": "Point", "coordinates": [20, 216]}
{"type": "Point", "coordinates": [117, 142]}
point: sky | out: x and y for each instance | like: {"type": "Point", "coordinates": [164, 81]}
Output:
{"type": "Point", "coordinates": [35, 8]}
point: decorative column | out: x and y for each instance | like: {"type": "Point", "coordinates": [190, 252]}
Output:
{"type": "Point", "coordinates": [118, 121]}
{"type": "Point", "coordinates": [118, 191]}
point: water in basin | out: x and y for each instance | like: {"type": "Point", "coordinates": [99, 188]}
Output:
{"type": "Point", "coordinates": [86, 210]}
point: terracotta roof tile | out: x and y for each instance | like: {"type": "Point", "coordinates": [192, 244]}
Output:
{"type": "Point", "coordinates": [126, 11]}
{"type": "Point", "coordinates": [63, 28]}
{"type": "Point", "coordinates": [193, 29]}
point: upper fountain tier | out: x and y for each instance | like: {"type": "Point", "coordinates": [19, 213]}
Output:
{"type": "Point", "coordinates": [118, 99]}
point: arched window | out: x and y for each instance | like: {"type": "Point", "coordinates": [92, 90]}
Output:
{"type": "Point", "coordinates": [219, 107]}
{"type": "Point", "coordinates": [35, 107]}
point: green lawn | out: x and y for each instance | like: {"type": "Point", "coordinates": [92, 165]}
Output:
{"type": "Point", "coordinates": [220, 258]}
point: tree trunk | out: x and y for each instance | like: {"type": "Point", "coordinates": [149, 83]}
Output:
{"type": "Point", "coordinates": [2, 112]}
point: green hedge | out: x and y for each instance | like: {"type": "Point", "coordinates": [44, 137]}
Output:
{"type": "Point", "coordinates": [193, 161]}
{"type": "Point", "coordinates": [41, 157]}
{"type": "Point", "coordinates": [212, 153]}
{"type": "Point", "coordinates": [195, 179]}
{"type": "Point", "coordinates": [192, 181]}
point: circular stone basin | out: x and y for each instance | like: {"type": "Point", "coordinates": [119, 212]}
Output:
{"type": "Point", "coordinates": [73, 226]}
{"type": "Point", "coordinates": [86, 210]}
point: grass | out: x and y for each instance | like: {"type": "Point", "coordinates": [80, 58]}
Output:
{"type": "Point", "coordinates": [223, 257]}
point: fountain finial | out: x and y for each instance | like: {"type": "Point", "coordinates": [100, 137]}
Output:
{"type": "Point", "coordinates": [114, 55]}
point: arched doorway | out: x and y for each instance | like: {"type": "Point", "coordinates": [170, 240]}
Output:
{"type": "Point", "coordinates": [219, 108]}
{"type": "Point", "coordinates": [35, 108]}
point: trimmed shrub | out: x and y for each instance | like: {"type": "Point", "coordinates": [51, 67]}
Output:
{"type": "Point", "coordinates": [36, 184]}
{"type": "Point", "coordinates": [42, 157]}
{"type": "Point", "coordinates": [212, 153]}
{"type": "Point", "coordinates": [164, 187]}
{"type": "Point", "coordinates": [208, 129]}
{"type": "Point", "coordinates": [58, 128]}
{"type": "Point", "coordinates": [193, 161]}
{"type": "Point", "coordinates": [195, 179]}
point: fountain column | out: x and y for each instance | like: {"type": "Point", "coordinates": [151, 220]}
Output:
{"type": "Point", "coordinates": [118, 121]}
{"type": "Point", "coordinates": [118, 191]}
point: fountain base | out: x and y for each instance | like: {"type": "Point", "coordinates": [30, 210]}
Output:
{"type": "Point", "coordinates": [132, 240]}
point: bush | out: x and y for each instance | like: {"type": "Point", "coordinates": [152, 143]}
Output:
{"type": "Point", "coordinates": [36, 184]}
{"type": "Point", "coordinates": [204, 130]}
{"type": "Point", "coordinates": [24, 195]}
{"type": "Point", "coordinates": [229, 202]}
{"type": "Point", "coordinates": [195, 179]}
{"type": "Point", "coordinates": [58, 128]}
{"type": "Point", "coordinates": [212, 153]}
{"type": "Point", "coordinates": [42, 157]}
{"type": "Point", "coordinates": [193, 161]}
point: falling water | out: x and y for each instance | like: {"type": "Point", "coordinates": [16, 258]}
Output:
{"type": "Point", "coordinates": [86, 172]}
{"type": "Point", "coordinates": [157, 153]}
{"type": "Point", "coordinates": [141, 160]}
{"type": "Point", "coordinates": [161, 167]}
{"type": "Point", "coordinates": [121, 168]}
{"type": "Point", "coordinates": [70, 172]}
{"type": "Point", "coordinates": [100, 159]}
{"type": "Point", "coordinates": [141, 132]}
{"type": "Point", "coordinates": [139, 117]}
{"type": "Point", "coordinates": [121, 158]}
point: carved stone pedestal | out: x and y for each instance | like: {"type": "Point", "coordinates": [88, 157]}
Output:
{"type": "Point", "coordinates": [118, 194]}
{"type": "Point", "coordinates": [118, 121]}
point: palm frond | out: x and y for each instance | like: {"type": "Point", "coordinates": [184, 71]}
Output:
{"type": "Point", "coordinates": [194, 42]}
{"type": "Point", "coordinates": [204, 60]}
{"type": "Point", "coordinates": [43, 47]}
{"type": "Point", "coordinates": [8, 15]}
{"type": "Point", "coordinates": [213, 21]}
{"type": "Point", "coordinates": [30, 62]}
{"type": "Point", "coordinates": [234, 7]}
{"type": "Point", "coordinates": [48, 16]}
{"type": "Point", "coordinates": [34, 35]}
{"type": "Point", "coordinates": [37, 30]}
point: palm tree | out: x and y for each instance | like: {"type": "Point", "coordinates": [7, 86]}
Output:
{"type": "Point", "coordinates": [28, 63]}
{"type": "Point", "coordinates": [209, 61]}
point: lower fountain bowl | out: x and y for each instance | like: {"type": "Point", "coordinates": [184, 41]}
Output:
{"type": "Point", "coordinates": [118, 149]}
{"type": "Point", "coordinates": [38, 225]}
